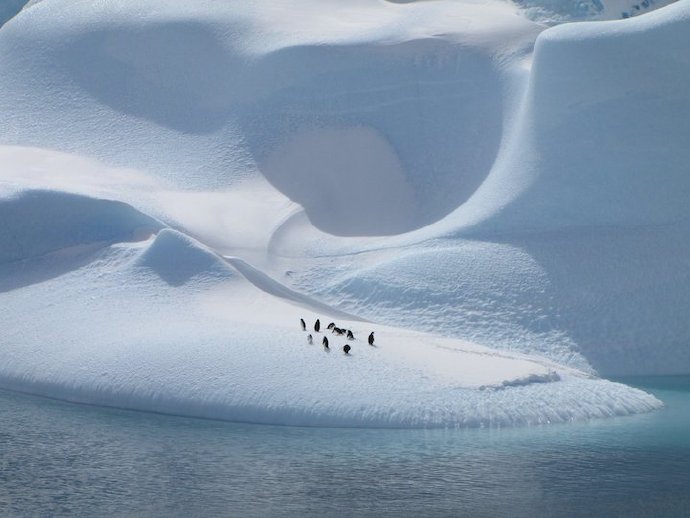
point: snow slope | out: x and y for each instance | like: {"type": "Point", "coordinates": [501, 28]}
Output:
{"type": "Point", "coordinates": [575, 245]}
{"type": "Point", "coordinates": [138, 343]}
{"type": "Point", "coordinates": [181, 183]}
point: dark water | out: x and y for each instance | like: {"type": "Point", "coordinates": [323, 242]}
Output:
{"type": "Point", "coordinates": [63, 459]}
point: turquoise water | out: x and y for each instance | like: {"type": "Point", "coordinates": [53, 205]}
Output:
{"type": "Point", "coordinates": [64, 459]}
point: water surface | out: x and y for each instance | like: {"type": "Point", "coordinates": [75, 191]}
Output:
{"type": "Point", "coordinates": [63, 459]}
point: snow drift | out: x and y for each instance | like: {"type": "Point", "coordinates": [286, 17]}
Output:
{"type": "Point", "coordinates": [450, 167]}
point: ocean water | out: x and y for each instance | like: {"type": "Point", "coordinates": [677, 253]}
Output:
{"type": "Point", "coordinates": [59, 459]}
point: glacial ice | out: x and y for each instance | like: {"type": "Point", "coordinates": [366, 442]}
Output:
{"type": "Point", "coordinates": [504, 203]}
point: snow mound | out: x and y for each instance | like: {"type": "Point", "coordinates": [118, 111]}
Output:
{"type": "Point", "coordinates": [176, 258]}
{"type": "Point", "coordinates": [39, 222]}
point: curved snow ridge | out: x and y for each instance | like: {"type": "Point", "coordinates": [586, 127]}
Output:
{"type": "Point", "coordinates": [342, 149]}
{"type": "Point", "coordinates": [38, 222]}
{"type": "Point", "coordinates": [272, 287]}
{"type": "Point", "coordinates": [177, 258]}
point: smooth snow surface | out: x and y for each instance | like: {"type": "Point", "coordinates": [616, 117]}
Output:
{"type": "Point", "coordinates": [504, 204]}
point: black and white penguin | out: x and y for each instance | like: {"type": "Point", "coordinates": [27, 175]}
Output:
{"type": "Point", "coordinates": [325, 342]}
{"type": "Point", "coordinates": [310, 339]}
{"type": "Point", "coordinates": [371, 338]}
{"type": "Point", "coordinates": [346, 348]}
{"type": "Point", "coordinates": [304, 324]}
{"type": "Point", "coordinates": [350, 336]}
{"type": "Point", "coordinates": [331, 325]}
{"type": "Point", "coordinates": [317, 325]}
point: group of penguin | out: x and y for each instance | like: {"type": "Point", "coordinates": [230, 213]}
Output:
{"type": "Point", "coordinates": [335, 330]}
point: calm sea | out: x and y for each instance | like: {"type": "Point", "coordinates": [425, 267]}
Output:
{"type": "Point", "coordinates": [60, 459]}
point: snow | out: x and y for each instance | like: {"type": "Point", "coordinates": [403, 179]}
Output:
{"type": "Point", "coordinates": [504, 204]}
{"type": "Point", "coordinates": [560, 11]}
{"type": "Point", "coordinates": [134, 340]}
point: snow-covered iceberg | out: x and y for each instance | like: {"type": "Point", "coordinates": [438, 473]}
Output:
{"type": "Point", "coordinates": [502, 203]}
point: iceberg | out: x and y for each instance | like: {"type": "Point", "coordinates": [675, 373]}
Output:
{"type": "Point", "coordinates": [502, 202]}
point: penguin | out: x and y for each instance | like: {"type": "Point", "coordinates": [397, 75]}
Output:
{"type": "Point", "coordinates": [310, 339]}
{"type": "Point", "coordinates": [317, 325]}
{"type": "Point", "coordinates": [346, 348]}
{"type": "Point", "coordinates": [338, 331]}
{"type": "Point", "coordinates": [304, 324]}
{"type": "Point", "coordinates": [325, 343]}
{"type": "Point", "coordinates": [371, 338]}
{"type": "Point", "coordinates": [350, 336]}
{"type": "Point", "coordinates": [331, 326]}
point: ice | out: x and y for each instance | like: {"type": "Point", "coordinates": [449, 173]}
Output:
{"type": "Point", "coordinates": [560, 11]}
{"type": "Point", "coordinates": [504, 204]}
{"type": "Point", "coordinates": [168, 326]}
